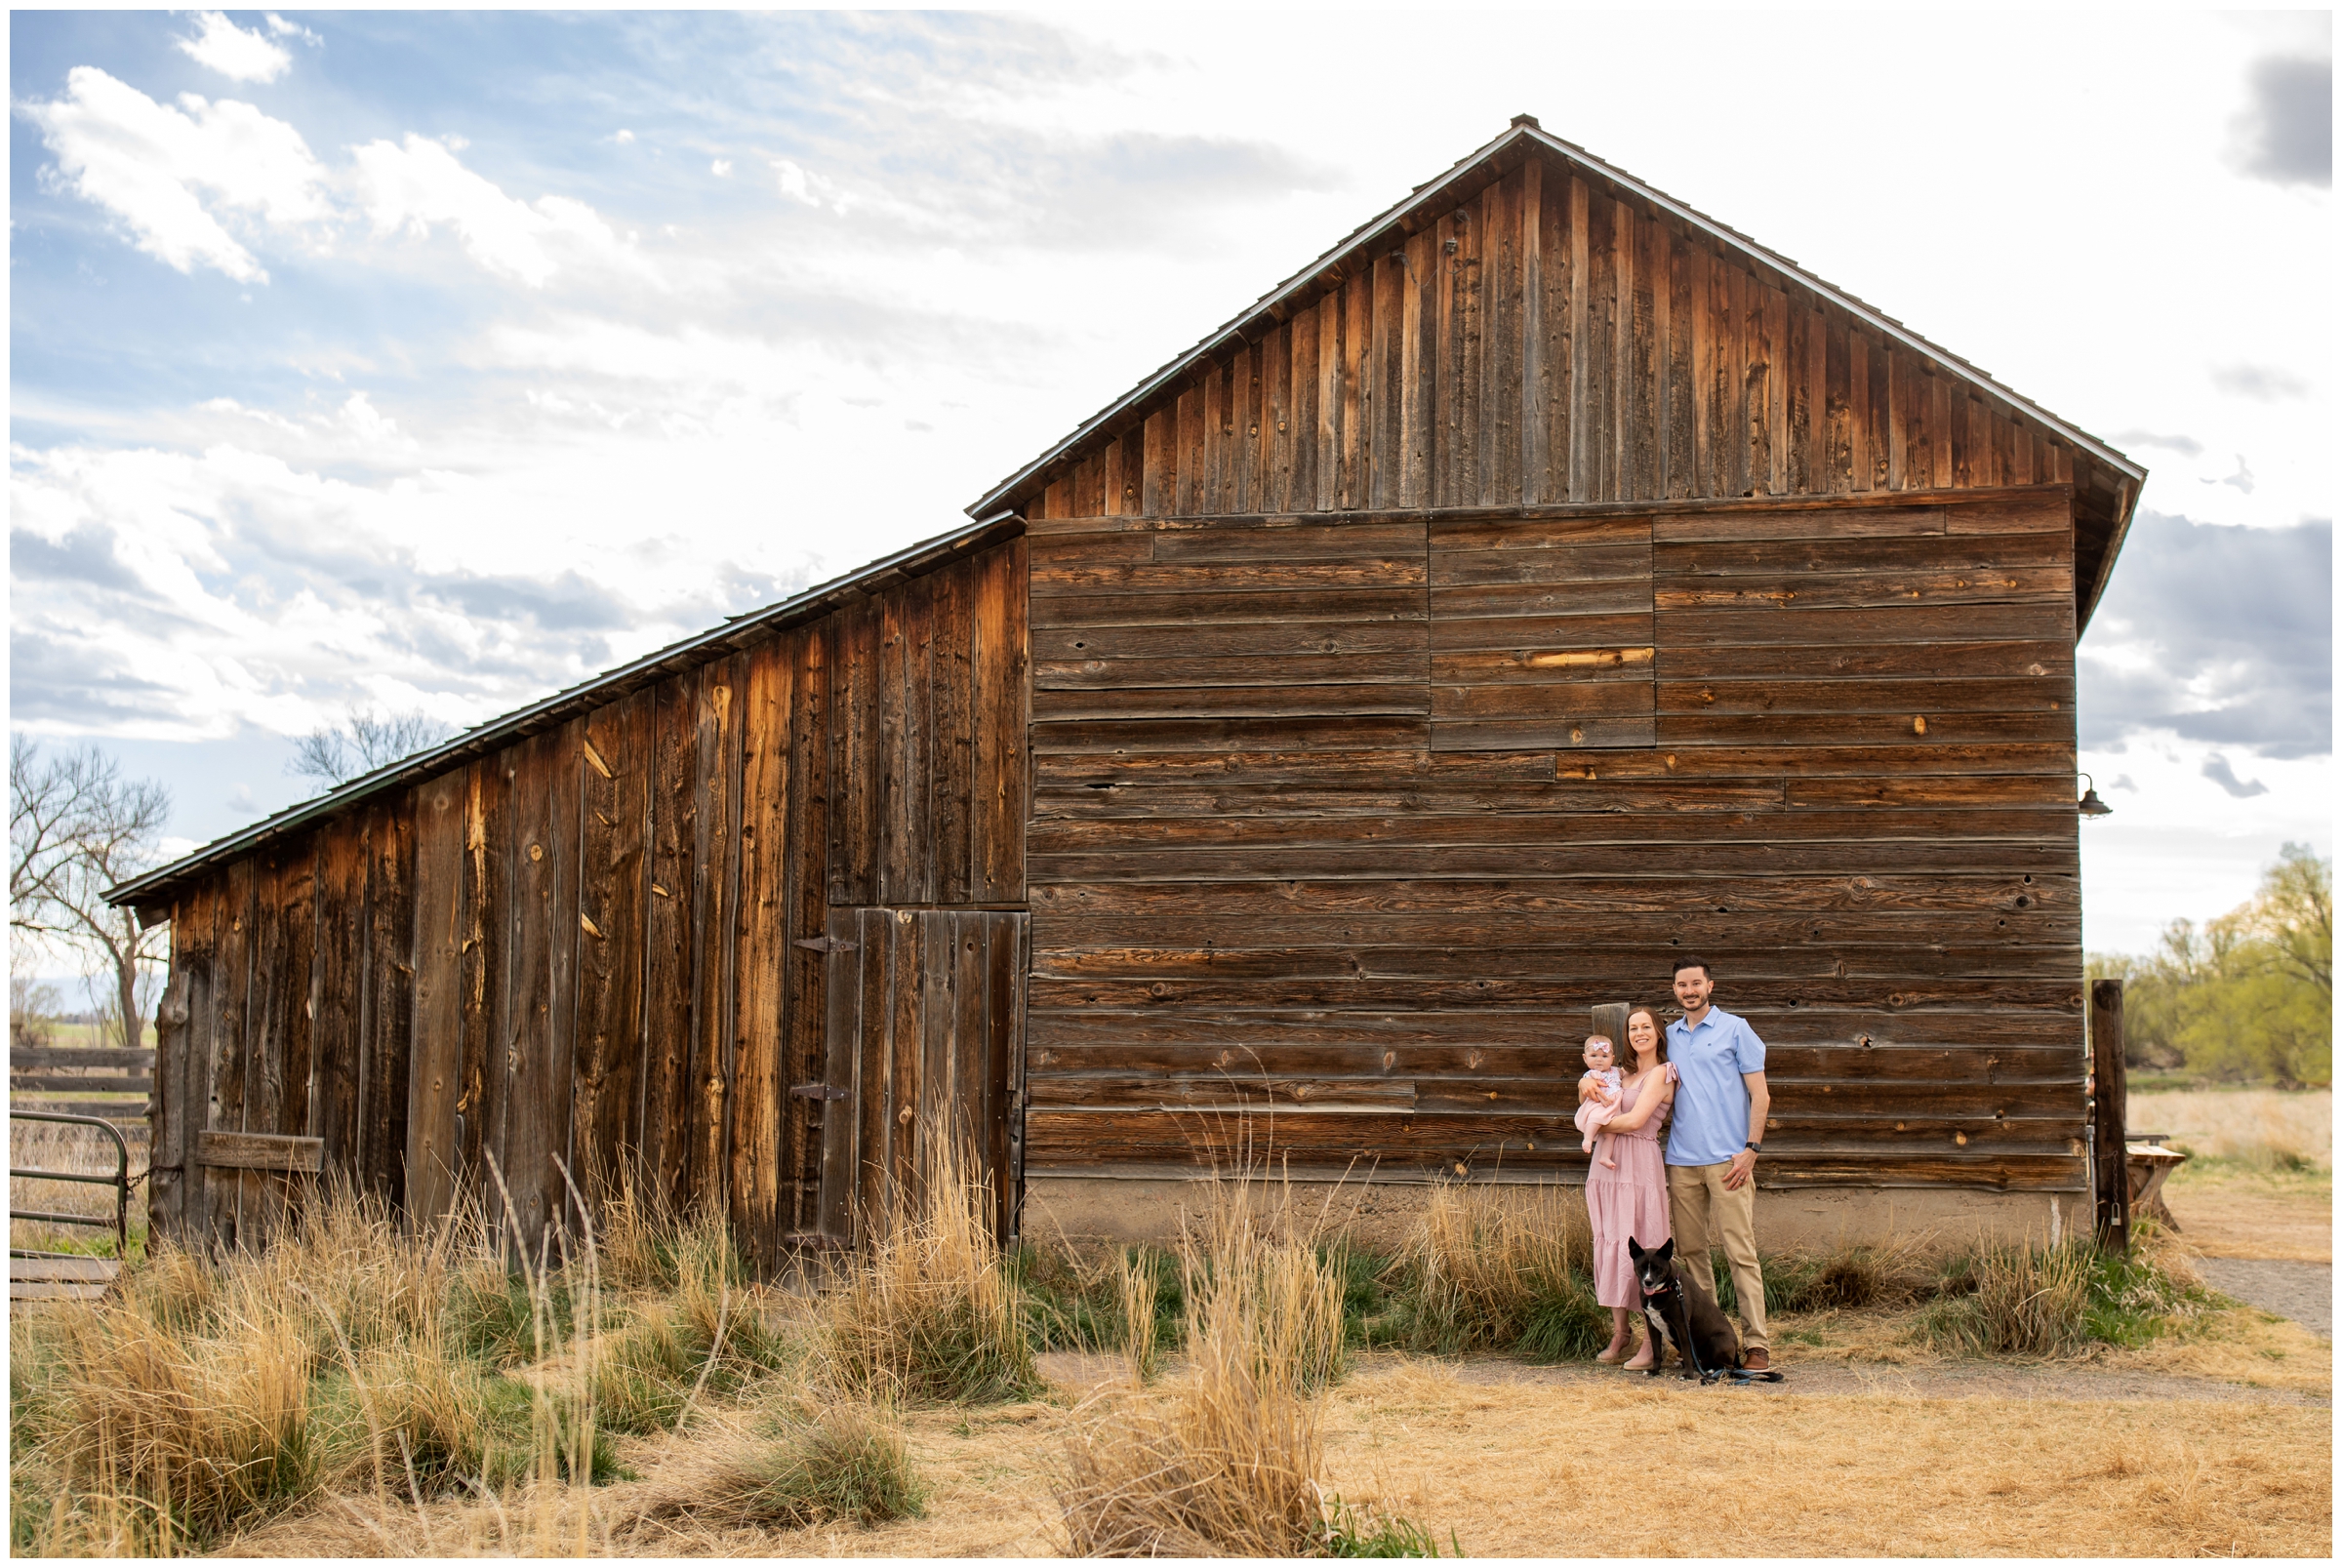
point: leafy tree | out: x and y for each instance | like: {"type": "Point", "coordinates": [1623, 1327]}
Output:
{"type": "Point", "coordinates": [2249, 996]}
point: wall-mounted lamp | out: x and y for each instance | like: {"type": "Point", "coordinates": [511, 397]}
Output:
{"type": "Point", "coordinates": [2091, 805]}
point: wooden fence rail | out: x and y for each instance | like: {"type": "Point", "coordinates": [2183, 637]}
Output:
{"type": "Point", "coordinates": [45, 1071]}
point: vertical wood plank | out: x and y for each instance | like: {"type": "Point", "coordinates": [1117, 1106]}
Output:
{"type": "Point", "coordinates": [1211, 467]}
{"type": "Point", "coordinates": [873, 1072]}
{"type": "Point", "coordinates": [1158, 474]}
{"type": "Point", "coordinates": [759, 1090]}
{"type": "Point", "coordinates": [335, 991]}
{"type": "Point", "coordinates": [1838, 446]}
{"type": "Point", "coordinates": [1357, 391]}
{"type": "Point", "coordinates": [906, 1056]}
{"type": "Point", "coordinates": [277, 1042]}
{"type": "Point", "coordinates": [1798, 358]}
{"type": "Point", "coordinates": [1821, 466]}
{"type": "Point", "coordinates": [1121, 491]}
{"type": "Point", "coordinates": [183, 1039]}
{"type": "Point", "coordinates": [804, 1017]}
{"type": "Point", "coordinates": [854, 755]}
{"type": "Point", "coordinates": [435, 1079]}
{"type": "Point", "coordinates": [1643, 421]}
{"type": "Point", "coordinates": [1001, 656]}
{"type": "Point", "coordinates": [1329, 396]}
{"type": "Point", "coordinates": [1775, 331]}
{"type": "Point", "coordinates": [534, 910]}
{"type": "Point", "coordinates": [668, 996]}
{"type": "Point", "coordinates": [1556, 263]}
{"type": "Point", "coordinates": [841, 1040]}
{"type": "Point", "coordinates": [1736, 472]}
{"type": "Point", "coordinates": [561, 1031]}
{"type": "Point", "coordinates": [1500, 362]}
{"type": "Point", "coordinates": [1418, 400]}
{"type": "Point", "coordinates": [1535, 436]}
{"type": "Point", "coordinates": [1681, 374]}
{"type": "Point", "coordinates": [950, 677]}
{"type": "Point", "coordinates": [486, 899]}
{"type": "Point", "coordinates": [1938, 429]}
{"type": "Point", "coordinates": [233, 1011]}
{"type": "Point", "coordinates": [1248, 458]}
{"type": "Point", "coordinates": [1301, 332]}
{"type": "Point", "coordinates": [612, 893]}
{"type": "Point", "coordinates": [1585, 468]}
{"type": "Point", "coordinates": [892, 763]}
{"type": "Point", "coordinates": [1465, 382]}
{"type": "Point", "coordinates": [389, 1009]}
{"type": "Point", "coordinates": [1186, 456]}
{"type": "Point", "coordinates": [716, 890]}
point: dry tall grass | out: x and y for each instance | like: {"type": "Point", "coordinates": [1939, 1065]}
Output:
{"type": "Point", "coordinates": [1228, 1463]}
{"type": "Point", "coordinates": [1500, 1268]}
{"type": "Point", "coordinates": [2262, 1128]}
{"type": "Point", "coordinates": [928, 1311]}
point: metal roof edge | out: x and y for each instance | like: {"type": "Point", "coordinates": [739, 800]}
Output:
{"type": "Point", "coordinates": [1525, 129]}
{"type": "Point", "coordinates": [487, 737]}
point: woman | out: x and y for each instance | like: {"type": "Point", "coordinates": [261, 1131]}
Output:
{"type": "Point", "coordinates": [1632, 1200]}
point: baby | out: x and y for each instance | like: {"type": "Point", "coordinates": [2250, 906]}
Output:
{"type": "Point", "coordinates": [1597, 1095]}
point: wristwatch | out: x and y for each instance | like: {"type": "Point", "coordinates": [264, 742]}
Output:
{"type": "Point", "coordinates": [1753, 1148]}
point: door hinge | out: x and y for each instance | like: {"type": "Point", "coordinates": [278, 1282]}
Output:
{"type": "Point", "coordinates": [821, 1090]}
{"type": "Point", "coordinates": [823, 943]}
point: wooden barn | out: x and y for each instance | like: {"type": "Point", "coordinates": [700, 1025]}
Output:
{"type": "Point", "coordinates": [1546, 581]}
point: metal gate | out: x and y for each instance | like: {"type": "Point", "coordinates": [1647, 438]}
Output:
{"type": "Point", "coordinates": [924, 1044]}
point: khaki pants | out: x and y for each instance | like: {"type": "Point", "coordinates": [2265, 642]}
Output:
{"type": "Point", "coordinates": [1704, 1215]}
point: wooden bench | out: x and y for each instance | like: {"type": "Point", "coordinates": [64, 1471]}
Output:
{"type": "Point", "coordinates": [2149, 1166]}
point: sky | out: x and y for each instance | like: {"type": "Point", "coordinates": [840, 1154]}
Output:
{"type": "Point", "coordinates": [439, 360]}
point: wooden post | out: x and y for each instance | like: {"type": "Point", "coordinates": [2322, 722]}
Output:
{"type": "Point", "coordinates": [2112, 1157]}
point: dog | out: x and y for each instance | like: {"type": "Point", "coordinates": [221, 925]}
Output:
{"type": "Point", "coordinates": [1683, 1318]}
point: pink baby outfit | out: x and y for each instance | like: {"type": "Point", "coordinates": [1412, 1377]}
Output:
{"type": "Point", "coordinates": [1594, 1114]}
{"type": "Point", "coordinates": [1630, 1201]}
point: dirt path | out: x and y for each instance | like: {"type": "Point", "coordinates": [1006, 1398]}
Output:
{"type": "Point", "coordinates": [1950, 1379]}
{"type": "Point", "coordinates": [1081, 1374]}
{"type": "Point", "coordinates": [2301, 1291]}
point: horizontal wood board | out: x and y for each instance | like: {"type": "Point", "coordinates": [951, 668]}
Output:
{"type": "Point", "coordinates": [1341, 825]}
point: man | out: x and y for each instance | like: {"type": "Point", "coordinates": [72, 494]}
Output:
{"type": "Point", "coordinates": [1712, 1147]}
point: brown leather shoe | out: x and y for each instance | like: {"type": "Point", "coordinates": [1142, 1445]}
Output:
{"type": "Point", "coordinates": [1757, 1361]}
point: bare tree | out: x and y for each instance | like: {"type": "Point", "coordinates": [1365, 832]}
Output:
{"type": "Point", "coordinates": [77, 827]}
{"type": "Point", "coordinates": [366, 743]}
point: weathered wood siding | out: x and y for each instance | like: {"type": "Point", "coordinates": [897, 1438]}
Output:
{"type": "Point", "coordinates": [1546, 337]}
{"type": "Point", "coordinates": [1342, 824]}
{"type": "Point", "coordinates": [590, 943]}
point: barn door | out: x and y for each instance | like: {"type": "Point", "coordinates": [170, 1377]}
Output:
{"type": "Point", "coordinates": [924, 1045]}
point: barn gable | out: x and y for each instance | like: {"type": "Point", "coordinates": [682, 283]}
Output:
{"type": "Point", "coordinates": [1537, 327]}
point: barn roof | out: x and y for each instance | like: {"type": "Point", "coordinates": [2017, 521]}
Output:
{"type": "Point", "coordinates": [738, 632]}
{"type": "Point", "coordinates": [1470, 174]}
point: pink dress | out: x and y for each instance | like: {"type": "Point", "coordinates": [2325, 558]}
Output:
{"type": "Point", "coordinates": [1630, 1201]}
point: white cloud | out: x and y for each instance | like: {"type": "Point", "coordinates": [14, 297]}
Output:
{"type": "Point", "coordinates": [721, 167]}
{"type": "Point", "coordinates": [144, 162]}
{"type": "Point", "coordinates": [416, 185]}
{"type": "Point", "coordinates": [293, 29]}
{"type": "Point", "coordinates": [369, 425]}
{"type": "Point", "coordinates": [240, 56]}
{"type": "Point", "coordinates": [624, 138]}
{"type": "Point", "coordinates": [800, 184]}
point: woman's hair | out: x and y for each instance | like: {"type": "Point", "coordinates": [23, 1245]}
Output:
{"type": "Point", "coordinates": [1658, 1025]}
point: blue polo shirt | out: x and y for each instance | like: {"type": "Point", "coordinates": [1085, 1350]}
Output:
{"type": "Point", "coordinates": [1710, 1121]}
